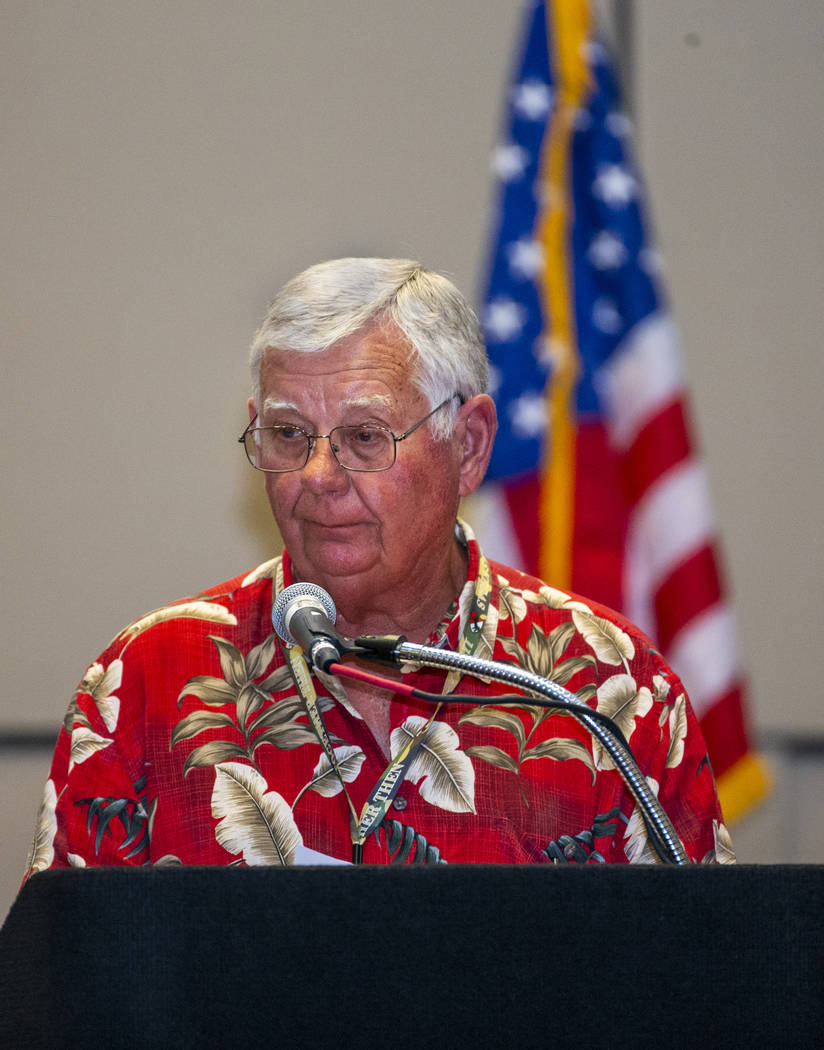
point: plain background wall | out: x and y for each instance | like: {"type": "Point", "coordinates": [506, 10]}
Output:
{"type": "Point", "coordinates": [168, 165]}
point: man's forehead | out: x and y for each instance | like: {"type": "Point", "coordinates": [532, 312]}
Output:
{"type": "Point", "coordinates": [370, 368]}
{"type": "Point", "coordinates": [378, 345]}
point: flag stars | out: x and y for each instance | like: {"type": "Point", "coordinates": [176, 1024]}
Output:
{"type": "Point", "coordinates": [532, 99]}
{"type": "Point", "coordinates": [607, 251]}
{"type": "Point", "coordinates": [651, 261]}
{"type": "Point", "coordinates": [581, 119]}
{"type": "Point", "coordinates": [528, 414]}
{"type": "Point", "coordinates": [525, 257]}
{"type": "Point", "coordinates": [547, 195]}
{"type": "Point", "coordinates": [504, 319]}
{"type": "Point", "coordinates": [552, 353]}
{"type": "Point", "coordinates": [614, 185]}
{"type": "Point", "coordinates": [509, 162]}
{"type": "Point", "coordinates": [619, 125]}
{"type": "Point", "coordinates": [606, 317]}
{"type": "Point", "coordinates": [594, 52]}
{"type": "Point", "coordinates": [542, 351]}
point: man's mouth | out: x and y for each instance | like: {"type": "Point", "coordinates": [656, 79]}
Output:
{"type": "Point", "coordinates": [335, 526]}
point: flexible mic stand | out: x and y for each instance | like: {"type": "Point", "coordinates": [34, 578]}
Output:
{"type": "Point", "coordinates": [398, 650]}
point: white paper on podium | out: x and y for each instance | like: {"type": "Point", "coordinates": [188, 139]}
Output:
{"type": "Point", "coordinates": [305, 856]}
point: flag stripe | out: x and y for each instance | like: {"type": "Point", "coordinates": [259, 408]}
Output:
{"type": "Point", "coordinates": [643, 376]}
{"type": "Point", "coordinates": [601, 513]}
{"type": "Point", "coordinates": [523, 498]}
{"type": "Point", "coordinates": [725, 723]}
{"type": "Point", "coordinates": [671, 522]}
{"type": "Point", "coordinates": [663, 443]}
{"type": "Point", "coordinates": [492, 516]}
{"type": "Point", "coordinates": [691, 587]}
{"type": "Point", "coordinates": [705, 656]}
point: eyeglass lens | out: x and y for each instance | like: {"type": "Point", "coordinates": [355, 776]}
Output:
{"type": "Point", "coordinates": [288, 448]}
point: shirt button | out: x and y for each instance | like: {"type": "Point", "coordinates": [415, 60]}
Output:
{"type": "Point", "coordinates": [399, 802]}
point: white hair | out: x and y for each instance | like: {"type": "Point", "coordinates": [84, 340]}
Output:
{"type": "Point", "coordinates": [331, 300]}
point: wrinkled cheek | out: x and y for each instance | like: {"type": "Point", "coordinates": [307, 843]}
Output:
{"type": "Point", "coordinates": [282, 501]}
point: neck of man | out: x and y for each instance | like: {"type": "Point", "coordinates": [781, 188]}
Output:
{"type": "Point", "coordinates": [412, 606]}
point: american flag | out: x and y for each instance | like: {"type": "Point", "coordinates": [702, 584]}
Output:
{"type": "Point", "coordinates": [595, 483]}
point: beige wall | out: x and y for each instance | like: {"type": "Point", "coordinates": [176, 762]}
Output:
{"type": "Point", "coordinates": [733, 151]}
{"type": "Point", "coordinates": [168, 165]}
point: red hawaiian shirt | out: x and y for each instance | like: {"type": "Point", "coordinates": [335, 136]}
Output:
{"type": "Point", "coordinates": [188, 742]}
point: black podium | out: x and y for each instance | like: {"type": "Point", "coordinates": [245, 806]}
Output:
{"type": "Point", "coordinates": [416, 956]}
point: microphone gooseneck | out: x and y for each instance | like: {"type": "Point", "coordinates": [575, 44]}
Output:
{"type": "Point", "coordinates": [304, 615]}
{"type": "Point", "coordinates": [663, 835]}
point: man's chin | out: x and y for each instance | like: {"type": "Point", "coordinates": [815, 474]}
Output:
{"type": "Point", "coordinates": [334, 562]}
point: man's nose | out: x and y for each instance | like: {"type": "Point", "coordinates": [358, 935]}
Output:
{"type": "Point", "coordinates": [322, 468]}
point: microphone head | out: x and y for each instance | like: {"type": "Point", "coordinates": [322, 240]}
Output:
{"type": "Point", "coordinates": [297, 596]}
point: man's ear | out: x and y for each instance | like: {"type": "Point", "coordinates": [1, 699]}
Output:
{"type": "Point", "coordinates": [252, 409]}
{"type": "Point", "coordinates": [475, 427]}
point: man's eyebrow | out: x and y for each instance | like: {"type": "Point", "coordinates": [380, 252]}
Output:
{"type": "Point", "coordinates": [364, 403]}
{"type": "Point", "coordinates": [368, 401]}
{"type": "Point", "coordinates": [271, 404]}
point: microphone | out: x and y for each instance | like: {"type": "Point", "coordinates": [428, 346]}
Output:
{"type": "Point", "coordinates": [304, 614]}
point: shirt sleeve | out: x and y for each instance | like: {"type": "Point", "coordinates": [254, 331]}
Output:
{"type": "Point", "coordinates": [95, 810]}
{"type": "Point", "coordinates": [669, 747]}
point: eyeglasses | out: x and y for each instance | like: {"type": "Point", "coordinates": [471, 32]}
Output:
{"type": "Point", "coordinates": [368, 447]}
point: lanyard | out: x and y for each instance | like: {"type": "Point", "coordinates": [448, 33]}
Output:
{"type": "Point", "coordinates": [381, 796]}
{"type": "Point", "coordinates": [383, 793]}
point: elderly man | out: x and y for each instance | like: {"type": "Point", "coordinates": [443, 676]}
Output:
{"type": "Point", "coordinates": [196, 738]}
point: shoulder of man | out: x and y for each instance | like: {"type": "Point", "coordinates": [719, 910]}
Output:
{"type": "Point", "coordinates": [529, 599]}
{"type": "Point", "coordinates": [538, 592]}
{"type": "Point", "coordinates": [221, 608]}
